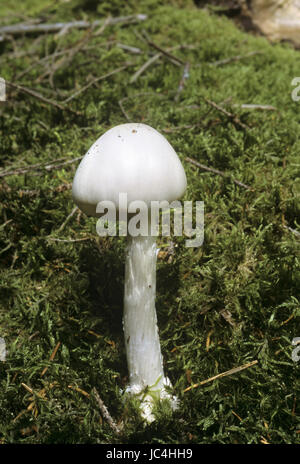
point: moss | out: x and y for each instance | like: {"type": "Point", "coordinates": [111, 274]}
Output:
{"type": "Point", "coordinates": [71, 292]}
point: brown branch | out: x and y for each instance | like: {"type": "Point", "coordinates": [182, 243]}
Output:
{"type": "Point", "coordinates": [35, 192]}
{"type": "Point", "coordinates": [129, 48]}
{"type": "Point", "coordinates": [143, 68]}
{"type": "Point", "coordinates": [223, 374]}
{"type": "Point", "coordinates": [18, 29]}
{"type": "Point", "coordinates": [123, 109]}
{"type": "Point", "coordinates": [40, 166]}
{"type": "Point", "coordinates": [169, 130]}
{"type": "Point", "coordinates": [169, 55]}
{"type": "Point", "coordinates": [235, 58]}
{"type": "Point", "coordinates": [67, 219]}
{"type": "Point", "coordinates": [216, 171]}
{"type": "Point", "coordinates": [51, 358]}
{"type": "Point", "coordinates": [154, 58]}
{"type": "Point", "coordinates": [231, 116]}
{"type": "Point", "coordinates": [68, 240]}
{"type": "Point", "coordinates": [139, 94]}
{"type": "Point", "coordinates": [97, 79]}
{"type": "Point", "coordinates": [294, 231]}
{"type": "Point", "coordinates": [256, 107]}
{"type": "Point", "coordinates": [40, 97]}
{"type": "Point", "coordinates": [67, 57]}
{"type": "Point", "coordinates": [105, 413]}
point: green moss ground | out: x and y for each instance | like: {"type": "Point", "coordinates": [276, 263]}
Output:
{"type": "Point", "coordinates": [71, 292]}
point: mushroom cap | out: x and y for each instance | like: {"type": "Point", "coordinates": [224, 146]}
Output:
{"type": "Point", "coordinates": [130, 158]}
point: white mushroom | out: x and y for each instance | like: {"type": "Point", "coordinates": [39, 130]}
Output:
{"type": "Point", "coordinates": [136, 160]}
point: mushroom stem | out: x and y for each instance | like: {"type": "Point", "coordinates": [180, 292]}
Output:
{"type": "Point", "coordinates": [142, 343]}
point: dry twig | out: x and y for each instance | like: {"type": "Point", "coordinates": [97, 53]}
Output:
{"type": "Point", "coordinates": [68, 240]}
{"type": "Point", "coordinates": [223, 374]}
{"type": "Point", "coordinates": [94, 81]}
{"type": "Point", "coordinates": [167, 53]}
{"type": "Point", "coordinates": [169, 130]}
{"type": "Point", "coordinates": [231, 116]}
{"type": "Point", "coordinates": [139, 94]}
{"type": "Point", "coordinates": [216, 171]}
{"type": "Point", "coordinates": [67, 57]}
{"type": "Point", "coordinates": [129, 48]}
{"type": "Point", "coordinates": [123, 109]}
{"type": "Point", "coordinates": [40, 97]}
{"type": "Point", "coordinates": [67, 219]}
{"type": "Point", "coordinates": [51, 358]}
{"type": "Point", "coordinates": [235, 58]}
{"type": "Point", "coordinates": [40, 167]}
{"type": "Point", "coordinates": [19, 29]}
{"type": "Point", "coordinates": [105, 413]}
{"type": "Point", "coordinates": [143, 68]}
{"type": "Point", "coordinates": [249, 106]}
{"type": "Point", "coordinates": [295, 232]}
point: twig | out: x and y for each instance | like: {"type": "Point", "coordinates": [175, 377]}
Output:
{"type": "Point", "coordinates": [79, 390]}
{"type": "Point", "coordinates": [25, 169]}
{"type": "Point", "coordinates": [185, 76]}
{"type": "Point", "coordinates": [139, 94]}
{"type": "Point", "coordinates": [28, 193]}
{"type": "Point", "coordinates": [15, 55]}
{"type": "Point", "coordinates": [216, 171]}
{"type": "Point", "coordinates": [67, 219]}
{"type": "Point", "coordinates": [70, 240]}
{"type": "Point", "coordinates": [128, 48]}
{"type": "Point", "coordinates": [40, 166]}
{"type": "Point", "coordinates": [169, 130]}
{"type": "Point", "coordinates": [37, 192]}
{"type": "Point", "coordinates": [51, 358]}
{"type": "Point", "coordinates": [102, 28]}
{"type": "Point", "coordinates": [295, 232]}
{"type": "Point", "coordinates": [68, 57]}
{"type": "Point", "coordinates": [123, 109]}
{"type": "Point", "coordinates": [228, 317]}
{"type": "Point", "coordinates": [17, 29]}
{"type": "Point", "coordinates": [94, 81]}
{"type": "Point", "coordinates": [235, 58]}
{"type": "Point", "coordinates": [256, 107]}
{"type": "Point", "coordinates": [2, 227]}
{"type": "Point", "coordinates": [159, 55]}
{"type": "Point", "coordinates": [173, 58]}
{"type": "Point", "coordinates": [56, 54]}
{"type": "Point", "coordinates": [30, 390]}
{"type": "Point", "coordinates": [40, 97]}
{"type": "Point", "coordinates": [143, 68]}
{"type": "Point", "coordinates": [232, 116]}
{"type": "Point", "coordinates": [50, 167]}
{"type": "Point", "coordinates": [223, 374]}
{"type": "Point", "coordinates": [105, 413]}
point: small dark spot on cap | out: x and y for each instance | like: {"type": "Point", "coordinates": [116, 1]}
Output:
{"type": "Point", "coordinates": [134, 131]}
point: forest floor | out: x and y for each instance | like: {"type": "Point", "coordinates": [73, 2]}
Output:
{"type": "Point", "coordinates": [228, 311]}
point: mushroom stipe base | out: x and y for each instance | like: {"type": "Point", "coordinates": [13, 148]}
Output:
{"type": "Point", "coordinates": [150, 396]}
{"type": "Point", "coordinates": [144, 358]}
